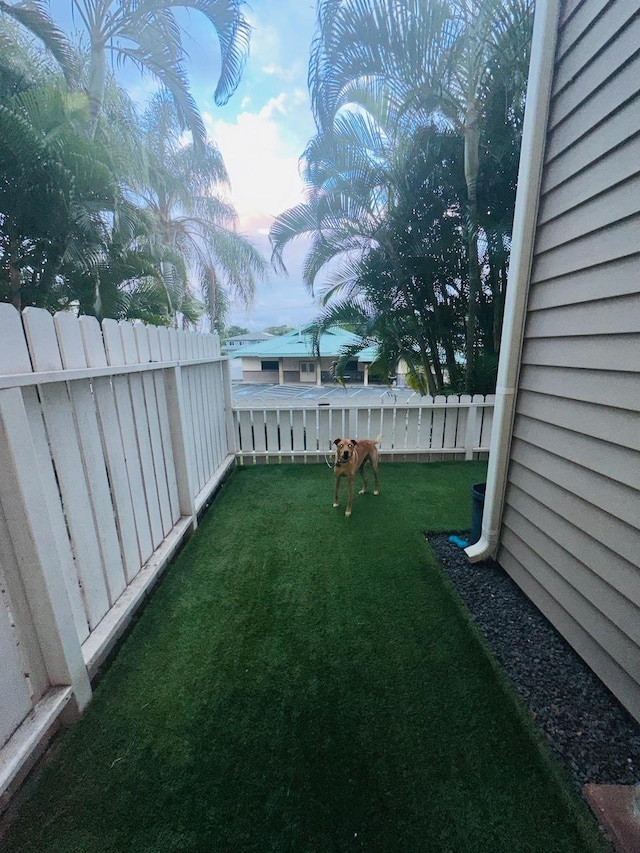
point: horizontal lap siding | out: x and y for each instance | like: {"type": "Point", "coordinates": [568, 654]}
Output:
{"type": "Point", "coordinates": [571, 527]}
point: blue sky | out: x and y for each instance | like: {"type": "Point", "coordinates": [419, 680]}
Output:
{"type": "Point", "coordinates": [261, 132]}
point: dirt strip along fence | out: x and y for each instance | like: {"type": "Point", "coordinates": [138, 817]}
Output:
{"type": "Point", "coordinates": [436, 428]}
{"type": "Point", "coordinates": [112, 438]}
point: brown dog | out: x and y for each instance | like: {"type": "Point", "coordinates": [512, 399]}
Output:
{"type": "Point", "coordinates": [352, 455]}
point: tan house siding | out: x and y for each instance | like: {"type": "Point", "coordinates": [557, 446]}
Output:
{"type": "Point", "coordinates": [570, 533]}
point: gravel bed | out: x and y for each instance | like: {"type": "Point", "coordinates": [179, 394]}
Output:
{"type": "Point", "coordinates": [587, 728]}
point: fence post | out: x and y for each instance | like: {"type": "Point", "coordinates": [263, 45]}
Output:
{"type": "Point", "coordinates": [179, 442]}
{"type": "Point", "coordinates": [228, 407]}
{"type": "Point", "coordinates": [27, 517]}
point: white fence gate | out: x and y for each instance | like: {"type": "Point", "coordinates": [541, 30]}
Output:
{"type": "Point", "coordinates": [435, 428]}
{"type": "Point", "coordinates": [111, 440]}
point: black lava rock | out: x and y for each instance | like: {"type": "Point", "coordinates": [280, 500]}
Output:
{"type": "Point", "coordinates": [594, 737]}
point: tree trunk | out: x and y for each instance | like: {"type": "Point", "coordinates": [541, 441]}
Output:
{"type": "Point", "coordinates": [213, 288]}
{"type": "Point", "coordinates": [435, 360]}
{"type": "Point", "coordinates": [97, 80]}
{"type": "Point", "coordinates": [15, 279]}
{"type": "Point", "coordinates": [498, 305]}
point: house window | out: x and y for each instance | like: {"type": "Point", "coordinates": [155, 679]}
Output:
{"type": "Point", "coordinates": [307, 367]}
{"type": "Point", "coordinates": [269, 365]}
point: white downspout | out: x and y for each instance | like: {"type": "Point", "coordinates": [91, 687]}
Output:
{"type": "Point", "coordinates": [534, 133]}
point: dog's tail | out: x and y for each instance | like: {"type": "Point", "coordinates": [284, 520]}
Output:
{"type": "Point", "coordinates": [377, 439]}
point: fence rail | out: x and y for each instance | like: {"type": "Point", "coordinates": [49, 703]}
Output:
{"type": "Point", "coordinates": [112, 438]}
{"type": "Point", "coordinates": [435, 428]}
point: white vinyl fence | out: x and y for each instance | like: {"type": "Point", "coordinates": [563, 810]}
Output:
{"type": "Point", "coordinates": [435, 428]}
{"type": "Point", "coordinates": [112, 438]}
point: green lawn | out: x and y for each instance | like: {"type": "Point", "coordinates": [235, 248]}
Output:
{"type": "Point", "coordinates": [305, 682]}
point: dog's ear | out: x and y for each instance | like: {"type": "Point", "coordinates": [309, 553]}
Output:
{"type": "Point", "coordinates": [353, 441]}
{"type": "Point", "coordinates": [336, 441]}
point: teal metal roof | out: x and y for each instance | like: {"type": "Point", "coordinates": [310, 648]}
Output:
{"type": "Point", "coordinates": [297, 344]}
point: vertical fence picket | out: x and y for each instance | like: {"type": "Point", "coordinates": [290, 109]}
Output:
{"type": "Point", "coordinates": [222, 401]}
{"type": "Point", "coordinates": [464, 416]}
{"type": "Point", "coordinates": [155, 354]}
{"type": "Point", "coordinates": [259, 432]}
{"type": "Point", "coordinates": [324, 437]}
{"type": "Point", "coordinates": [245, 431]}
{"type": "Point", "coordinates": [450, 423]}
{"type": "Point", "coordinates": [66, 452]}
{"type": "Point", "coordinates": [201, 416]}
{"type": "Point", "coordinates": [181, 337]}
{"type": "Point", "coordinates": [474, 426]}
{"type": "Point", "coordinates": [142, 430]}
{"type": "Point", "coordinates": [82, 398]}
{"type": "Point", "coordinates": [298, 430]}
{"type": "Point", "coordinates": [133, 461]}
{"type": "Point", "coordinates": [152, 419]}
{"type": "Point", "coordinates": [164, 343]}
{"type": "Point", "coordinates": [273, 445]}
{"type": "Point", "coordinates": [217, 381]}
{"type": "Point", "coordinates": [339, 425]}
{"type": "Point", "coordinates": [193, 413]}
{"type": "Point", "coordinates": [208, 415]}
{"type": "Point", "coordinates": [438, 423]}
{"type": "Point", "coordinates": [487, 420]}
{"type": "Point", "coordinates": [380, 422]}
{"type": "Point", "coordinates": [413, 429]}
{"type": "Point", "coordinates": [285, 430]}
{"type": "Point", "coordinates": [390, 415]}
{"type": "Point", "coordinates": [95, 356]}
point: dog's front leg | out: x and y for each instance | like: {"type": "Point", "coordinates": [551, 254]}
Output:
{"type": "Point", "coordinates": [350, 499]}
{"type": "Point", "coordinates": [336, 492]}
{"type": "Point", "coordinates": [364, 479]}
{"type": "Point", "coordinates": [376, 491]}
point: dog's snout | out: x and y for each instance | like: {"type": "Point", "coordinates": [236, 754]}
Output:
{"type": "Point", "coordinates": [345, 454]}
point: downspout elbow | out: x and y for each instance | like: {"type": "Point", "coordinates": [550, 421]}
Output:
{"type": "Point", "coordinates": [482, 550]}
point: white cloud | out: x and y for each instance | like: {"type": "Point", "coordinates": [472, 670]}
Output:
{"type": "Point", "coordinates": [262, 164]}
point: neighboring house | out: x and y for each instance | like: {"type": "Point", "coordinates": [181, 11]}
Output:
{"type": "Point", "coordinates": [562, 509]}
{"type": "Point", "coordinates": [289, 358]}
{"type": "Point", "coordinates": [238, 341]}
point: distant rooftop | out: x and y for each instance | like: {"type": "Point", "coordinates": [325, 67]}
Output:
{"type": "Point", "coordinates": [237, 341]}
{"type": "Point", "coordinates": [298, 344]}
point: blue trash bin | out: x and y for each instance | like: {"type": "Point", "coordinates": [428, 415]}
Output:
{"type": "Point", "coordinates": [477, 508]}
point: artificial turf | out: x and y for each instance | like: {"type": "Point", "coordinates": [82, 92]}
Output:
{"type": "Point", "coordinates": [301, 681]}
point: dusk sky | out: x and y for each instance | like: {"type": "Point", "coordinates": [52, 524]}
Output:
{"type": "Point", "coordinates": [261, 132]}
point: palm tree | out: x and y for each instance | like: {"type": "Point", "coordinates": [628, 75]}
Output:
{"type": "Point", "coordinates": [432, 61]}
{"type": "Point", "coordinates": [69, 238]}
{"type": "Point", "coordinates": [381, 213]}
{"type": "Point", "coordinates": [182, 194]}
{"type": "Point", "coordinates": [34, 16]}
{"type": "Point", "coordinates": [55, 189]}
{"type": "Point", "coordinates": [147, 34]}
